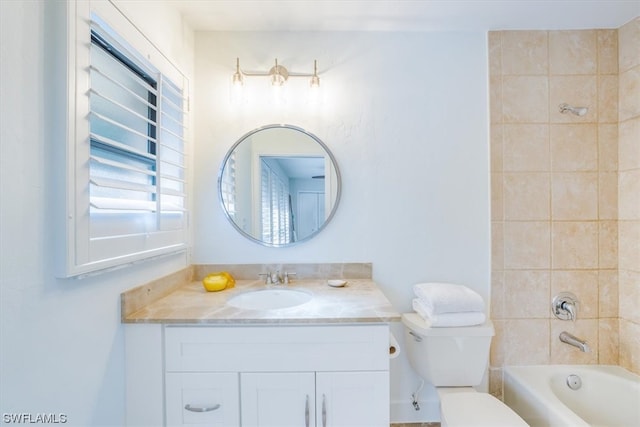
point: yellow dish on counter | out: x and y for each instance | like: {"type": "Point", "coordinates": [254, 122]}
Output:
{"type": "Point", "coordinates": [219, 281]}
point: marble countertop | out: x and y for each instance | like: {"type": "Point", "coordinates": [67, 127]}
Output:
{"type": "Point", "coordinates": [361, 300]}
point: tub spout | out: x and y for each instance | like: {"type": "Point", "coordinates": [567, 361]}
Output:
{"type": "Point", "coordinates": [566, 337]}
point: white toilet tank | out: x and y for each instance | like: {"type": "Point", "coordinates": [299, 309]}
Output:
{"type": "Point", "coordinates": [447, 357]}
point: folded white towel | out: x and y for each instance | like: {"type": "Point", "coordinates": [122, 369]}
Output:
{"type": "Point", "coordinates": [448, 298]}
{"type": "Point", "coordinates": [444, 320]}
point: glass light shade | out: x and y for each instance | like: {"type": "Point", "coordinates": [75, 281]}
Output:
{"type": "Point", "coordinates": [236, 90]}
{"type": "Point", "coordinates": [237, 79]}
{"type": "Point", "coordinates": [277, 80]}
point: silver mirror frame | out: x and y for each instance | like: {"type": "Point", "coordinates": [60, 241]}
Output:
{"type": "Point", "coordinates": [324, 147]}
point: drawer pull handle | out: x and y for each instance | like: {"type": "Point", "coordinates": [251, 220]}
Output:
{"type": "Point", "coordinates": [202, 408]}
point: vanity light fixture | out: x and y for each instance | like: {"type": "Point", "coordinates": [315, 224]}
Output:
{"type": "Point", "coordinates": [278, 74]}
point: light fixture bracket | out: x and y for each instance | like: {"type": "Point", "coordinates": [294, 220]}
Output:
{"type": "Point", "coordinates": [278, 74]}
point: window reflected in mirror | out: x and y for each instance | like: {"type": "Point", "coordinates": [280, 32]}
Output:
{"type": "Point", "coordinates": [279, 185]}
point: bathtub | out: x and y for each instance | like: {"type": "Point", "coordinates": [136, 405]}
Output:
{"type": "Point", "coordinates": [604, 396]}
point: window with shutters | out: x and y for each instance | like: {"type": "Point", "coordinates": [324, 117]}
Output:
{"type": "Point", "coordinates": [228, 185]}
{"type": "Point", "coordinates": [129, 160]}
{"type": "Point", "coordinates": [275, 203]}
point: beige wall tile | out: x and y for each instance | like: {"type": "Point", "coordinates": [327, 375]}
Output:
{"type": "Point", "coordinates": [586, 330]}
{"type": "Point", "coordinates": [527, 294]}
{"type": "Point", "coordinates": [497, 245]}
{"type": "Point", "coordinates": [526, 196]}
{"type": "Point", "coordinates": [574, 245]}
{"type": "Point", "coordinates": [629, 194]}
{"type": "Point", "coordinates": [628, 247]}
{"type": "Point", "coordinates": [630, 346]}
{"type": "Point", "coordinates": [574, 148]}
{"type": "Point", "coordinates": [608, 147]}
{"type": "Point", "coordinates": [494, 41]}
{"type": "Point", "coordinates": [608, 195]}
{"type": "Point", "coordinates": [497, 295]}
{"type": "Point", "coordinates": [527, 245]}
{"type": "Point", "coordinates": [526, 148]}
{"type": "Point", "coordinates": [607, 51]}
{"type": "Point", "coordinates": [608, 293]}
{"type": "Point", "coordinates": [495, 382]}
{"type": "Point", "coordinates": [608, 341]}
{"type": "Point", "coordinates": [629, 297]}
{"type": "Point", "coordinates": [629, 144]}
{"type": "Point", "coordinates": [497, 148]}
{"type": "Point", "coordinates": [629, 94]}
{"type": "Point", "coordinates": [498, 344]}
{"type": "Point", "coordinates": [608, 244]}
{"type": "Point", "coordinates": [577, 91]}
{"type": "Point", "coordinates": [608, 99]}
{"type": "Point", "coordinates": [526, 342]}
{"type": "Point", "coordinates": [525, 99]}
{"type": "Point", "coordinates": [497, 197]}
{"type": "Point", "coordinates": [573, 52]}
{"type": "Point", "coordinates": [629, 44]}
{"type": "Point", "coordinates": [524, 53]}
{"type": "Point", "coordinates": [583, 284]}
{"type": "Point", "coordinates": [574, 196]}
{"type": "Point", "coordinates": [495, 99]}
{"type": "Point", "coordinates": [584, 243]}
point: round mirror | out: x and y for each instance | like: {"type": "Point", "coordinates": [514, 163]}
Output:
{"type": "Point", "coordinates": [279, 185]}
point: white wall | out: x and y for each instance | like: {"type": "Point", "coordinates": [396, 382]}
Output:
{"type": "Point", "coordinates": [406, 116]}
{"type": "Point", "coordinates": [61, 341]}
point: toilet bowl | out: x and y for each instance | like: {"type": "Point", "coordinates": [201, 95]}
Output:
{"type": "Point", "coordinates": [454, 360]}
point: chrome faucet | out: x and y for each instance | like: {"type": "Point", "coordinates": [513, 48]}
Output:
{"type": "Point", "coordinates": [275, 278]}
{"type": "Point", "coordinates": [567, 338]}
{"type": "Point", "coordinates": [287, 277]}
{"type": "Point", "coordinates": [565, 306]}
{"type": "Point", "coordinates": [269, 278]}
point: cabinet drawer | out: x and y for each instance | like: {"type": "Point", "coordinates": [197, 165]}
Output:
{"type": "Point", "coordinates": [276, 349]}
{"type": "Point", "coordinates": [198, 399]}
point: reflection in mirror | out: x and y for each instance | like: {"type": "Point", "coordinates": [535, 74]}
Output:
{"type": "Point", "coordinates": [279, 185]}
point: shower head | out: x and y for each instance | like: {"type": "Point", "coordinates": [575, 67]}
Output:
{"type": "Point", "coordinates": [578, 111]}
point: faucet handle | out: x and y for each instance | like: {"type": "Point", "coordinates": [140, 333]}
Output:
{"type": "Point", "coordinates": [565, 306]}
{"type": "Point", "coordinates": [267, 278]}
{"type": "Point", "coordinates": [286, 276]}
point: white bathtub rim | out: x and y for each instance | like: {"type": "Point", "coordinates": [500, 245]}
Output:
{"type": "Point", "coordinates": [537, 386]}
{"type": "Point", "coordinates": [537, 390]}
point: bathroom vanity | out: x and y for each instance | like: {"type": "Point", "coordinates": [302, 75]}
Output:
{"type": "Point", "coordinates": [194, 359]}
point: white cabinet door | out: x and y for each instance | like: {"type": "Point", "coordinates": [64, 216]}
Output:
{"type": "Point", "coordinates": [278, 399]}
{"type": "Point", "coordinates": [202, 399]}
{"type": "Point", "coordinates": [351, 399]}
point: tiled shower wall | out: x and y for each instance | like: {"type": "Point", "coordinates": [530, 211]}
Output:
{"type": "Point", "coordinates": [629, 195]}
{"type": "Point", "coordinates": [565, 195]}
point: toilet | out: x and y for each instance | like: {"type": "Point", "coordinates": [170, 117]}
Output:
{"type": "Point", "coordinates": [454, 360]}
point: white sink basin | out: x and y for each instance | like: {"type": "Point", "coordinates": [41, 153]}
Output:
{"type": "Point", "coordinates": [270, 299]}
